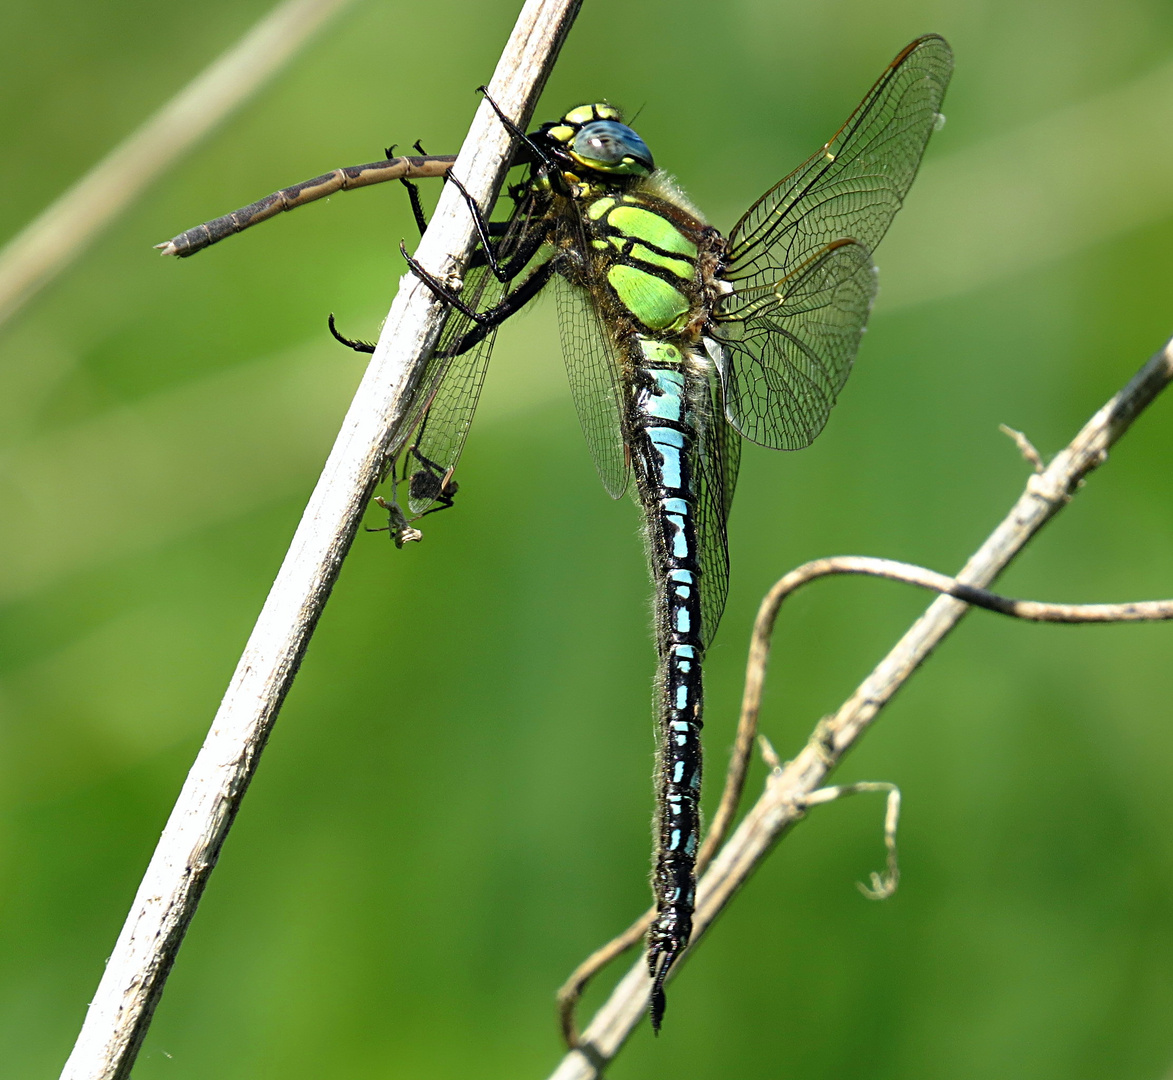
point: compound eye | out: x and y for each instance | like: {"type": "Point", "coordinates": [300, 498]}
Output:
{"type": "Point", "coordinates": [610, 146]}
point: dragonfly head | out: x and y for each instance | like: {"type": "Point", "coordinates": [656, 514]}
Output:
{"type": "Point", "coordinates": [592, 138]}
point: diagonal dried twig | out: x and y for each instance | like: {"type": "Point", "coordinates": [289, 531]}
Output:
{"type": "Point", "coordinates": [120, 1013]}
{"type": "Point", "coordinates": [789, 790]}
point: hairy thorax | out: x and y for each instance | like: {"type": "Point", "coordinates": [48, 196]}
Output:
{"type": "Point", "coordinates": [649, 256]}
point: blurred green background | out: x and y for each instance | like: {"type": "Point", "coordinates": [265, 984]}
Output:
{"type": "Point", "coordinates": [454, 807]}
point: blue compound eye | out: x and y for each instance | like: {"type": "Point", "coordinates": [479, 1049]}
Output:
{"type": "Point", "coordinates": [611, 147]}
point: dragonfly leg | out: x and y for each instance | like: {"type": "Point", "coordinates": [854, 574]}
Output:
{"type": "Point", "coordinates": [492, 317]}
{"type": "Point", "coordinates": [539, 155]}
{"type": "Point", "coordinates": [417, 208]}
{"type": "Point", "coordinates": [513, 266]}
{"type": "Point", "coordinates": [442, 291]}
{"type": "Point", "coordinates": [350, 343]}
{"type": "Point", "coordinates": [485, 229]}
{"type": "Point", "coordinates": [494, 228]}
{"type": "Point", "coordinates": [413, 193]}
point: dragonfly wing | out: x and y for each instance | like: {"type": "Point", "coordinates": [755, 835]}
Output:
{"type": "Point", "coordinates": [592, 362]}
{"type": "Point", "coordinates": [716, 476]}
{"type": "Point", "coordinates": [730, 448]}
{"type": "Point", "coordinates": [783, 365]}
{"type": "Point", "coordinates": [437, 424]}
{"type": "Point", "coordinates": [849, 191]}
{"type": "Point", "coordinates": [446, 398]}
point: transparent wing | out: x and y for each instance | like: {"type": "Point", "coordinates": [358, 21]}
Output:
{"type": "Point", "coordinates": [447, 397]}
{"type": "Point", "coordinates": [716, 477]}
{"type": "Point", "coordinates": [788, 359]}
{"type": "Point", "coordinates": [849, 190]}
{"type": "Point", "coordinates": [592, 362]}
{"type": "Point", "coordinates": [854, 185]}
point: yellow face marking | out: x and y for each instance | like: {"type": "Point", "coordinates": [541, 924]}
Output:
{"type": "Point", "coordinates": [584, 114]}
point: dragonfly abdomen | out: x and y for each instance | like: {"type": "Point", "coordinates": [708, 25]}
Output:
{"type": "Point", "coordinates": [664, 442]}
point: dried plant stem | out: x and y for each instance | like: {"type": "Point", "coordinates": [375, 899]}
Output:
{"type": "Point", "coordinates": [121, 1010]}
{"type": "Point", "coordinates": [62, 231]}
{"type": "Point", "coordinates": [789, 790]}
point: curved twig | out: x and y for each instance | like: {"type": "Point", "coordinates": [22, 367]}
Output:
{"type": "Point", "coordinates": [788, 792]}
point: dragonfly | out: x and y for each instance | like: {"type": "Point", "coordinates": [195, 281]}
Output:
{"type": "Point", "coordinates": [680, 341]}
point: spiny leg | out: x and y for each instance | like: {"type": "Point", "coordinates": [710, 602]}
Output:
{"type": "Point", "coordinates": [515, 131]}
{"type": "Point", "coordinates": [417, 207]}
{"type": "Point", "coordinates": [485, 228]}
{"type": "Point", "coordinates": [484, 321]}
{"type": "Point", "coordinates": [350, 343]}
{"type": "Point", "coordinates": [413, 193]}
{"type": "Point", "coordinates": [485, 253]}
{"type": "Point", "coordinates": [493, 228]}
{"type": "Point", "coordinates": [502, 272]}
{"type": "Point", "coordinates": [496, 315]}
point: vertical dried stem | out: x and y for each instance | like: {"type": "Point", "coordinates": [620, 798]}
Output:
{"type": "Point", "coordinates": [120, 1013]}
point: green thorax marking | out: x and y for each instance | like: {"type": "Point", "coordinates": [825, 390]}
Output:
{"type": "Point", "coordinates": [646, 257]}
{"type": "Point", "coordinates": [658, 305]}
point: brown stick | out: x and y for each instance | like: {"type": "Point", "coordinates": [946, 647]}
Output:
{"type": "Point", "coordinates": [352, 176]}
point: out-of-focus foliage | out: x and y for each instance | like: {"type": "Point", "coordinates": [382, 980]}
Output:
{"type": "Point", "coordinates": [454, 807]}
